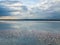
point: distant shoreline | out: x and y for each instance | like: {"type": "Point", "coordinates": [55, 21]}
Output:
{"type": "Point", "coordinates": [29, 19]}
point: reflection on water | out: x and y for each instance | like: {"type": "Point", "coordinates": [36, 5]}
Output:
{"type": "Point", "coordinates": [30, 25]}
{"type": "Point", "coordinates": [5, 26]}
{"type": "Point", "coordinates": [29, 33]}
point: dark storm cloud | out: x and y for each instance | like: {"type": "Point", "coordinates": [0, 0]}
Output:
{"type": "Point", "coordinates": [4, 11]}
{"type": "Point", "coordinates": [54, 15]}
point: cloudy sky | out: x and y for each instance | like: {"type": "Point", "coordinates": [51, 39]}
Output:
{"type": "Point", "coordinates": [29, 9]}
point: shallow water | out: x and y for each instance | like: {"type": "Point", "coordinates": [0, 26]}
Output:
{"type": "Point", "coordinates": [29, 33]}
{"type": "Point", "coordinates": [30, 25]}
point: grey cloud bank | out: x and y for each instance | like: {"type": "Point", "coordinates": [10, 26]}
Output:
{"type": "Point", "coordinates": [46, 9]}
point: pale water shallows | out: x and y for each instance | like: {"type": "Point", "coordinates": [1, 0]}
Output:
{"type": "Point", "coordinates": [29, 33]}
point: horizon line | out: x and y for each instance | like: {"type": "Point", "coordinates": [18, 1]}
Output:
{"type": "Point", "coordinates": [29, 19]}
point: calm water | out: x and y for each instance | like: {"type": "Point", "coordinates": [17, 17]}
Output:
{"type": "Point", "coordinates": [30, 25]}
{"type": "Point", "coordinates": [29, 33]}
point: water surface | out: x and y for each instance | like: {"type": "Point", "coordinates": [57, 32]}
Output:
{"type": "Point", "coordinates": [29, 33]}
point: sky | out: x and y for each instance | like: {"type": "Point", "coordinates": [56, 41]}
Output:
{"type": "Point", "coordinates": [30, 9]}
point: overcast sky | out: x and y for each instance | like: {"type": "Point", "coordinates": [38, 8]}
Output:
{"type": "Point", "coordinates": [30, 8]}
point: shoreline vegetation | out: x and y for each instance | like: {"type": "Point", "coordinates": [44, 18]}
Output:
{"type": "Point", "coordinates": [29, 19]}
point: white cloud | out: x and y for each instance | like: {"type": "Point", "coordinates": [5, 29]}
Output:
{"type": "Point", "coordinates": [46, 9]}
{"type": "Point", "coordinates": [43, 9]}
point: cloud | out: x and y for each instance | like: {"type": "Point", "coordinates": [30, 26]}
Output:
{"type": "Point", "coordinates": [4, 11]}
{"type": "Point", "coordinates": [12, 6]}
{"type": "Point", "coordinates": [44, 9]}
